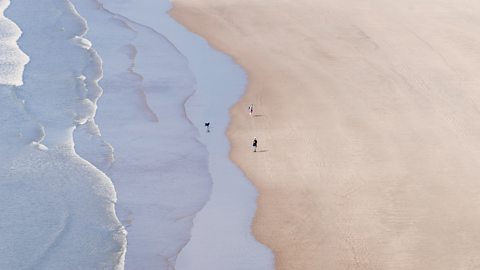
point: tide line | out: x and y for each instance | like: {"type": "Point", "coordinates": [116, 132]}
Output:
{"type": "Point", "coordinates": [221, 236]}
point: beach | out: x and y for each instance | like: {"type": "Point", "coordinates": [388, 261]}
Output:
{"type": "Point", "coordinates": [368, 123]}
{"type": "Point", "coordinates": [366, 115]}
{"type": "Point", "coordinates": [105, 160]}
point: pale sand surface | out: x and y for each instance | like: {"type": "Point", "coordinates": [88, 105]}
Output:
{"type": "Point", "coordinates": [369, 123]}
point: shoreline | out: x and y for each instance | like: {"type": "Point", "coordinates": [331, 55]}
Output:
{"type": "Point", "coordinates": [220, 236]}
{"type": "Point", "coordinates": [237, 110]}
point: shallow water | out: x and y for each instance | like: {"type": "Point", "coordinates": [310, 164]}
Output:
{"type": "Point", "coordinates": [158, 167]}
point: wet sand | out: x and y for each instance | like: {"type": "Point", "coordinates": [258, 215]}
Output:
{"type": "Point", "coordinates": [368, 121]}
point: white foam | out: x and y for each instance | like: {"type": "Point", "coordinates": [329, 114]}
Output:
{"type": "Point", "coordinates": [12, 59]}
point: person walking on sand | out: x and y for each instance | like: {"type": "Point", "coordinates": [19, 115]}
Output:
{"type": "Point", "coordinates": [254, 144]}
{"type": "Point", "coordinates": [250, 109]}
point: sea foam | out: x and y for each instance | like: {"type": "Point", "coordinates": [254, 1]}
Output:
{"type": "Point", "coordinates": [12, 59]}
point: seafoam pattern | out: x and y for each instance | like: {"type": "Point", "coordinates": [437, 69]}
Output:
{"type": "Point", "coordinates": [56, 209]}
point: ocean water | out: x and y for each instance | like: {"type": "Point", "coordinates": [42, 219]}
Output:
{"type": "Point", "coordinates": [56, 209]}
{"type": "Point", "coordinates": [104, 162]}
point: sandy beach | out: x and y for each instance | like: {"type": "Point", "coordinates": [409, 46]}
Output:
{"type": "Point", "coordinates": [368, 122]}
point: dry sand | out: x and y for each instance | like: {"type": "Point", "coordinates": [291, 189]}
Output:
{"type": "Point", "coordinates": [368, 121]}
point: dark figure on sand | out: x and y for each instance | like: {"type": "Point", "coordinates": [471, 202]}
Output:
{"type": "Point", "coordinates": [250, 109]}
{"type": "Point", "coordinates": [255, 142]}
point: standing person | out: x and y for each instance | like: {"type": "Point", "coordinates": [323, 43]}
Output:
{"type": "Point", "coordinates": [254, 144]}
{"type": "Point", "coordinates": [207, 125]}
{"type": "Point", "coordinates": [250, 109]}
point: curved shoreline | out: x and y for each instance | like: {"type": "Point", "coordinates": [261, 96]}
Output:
{"type": "Point", "coordinates": [221, 235]}
{"type": "Point", "coordinates": [242, 102]}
